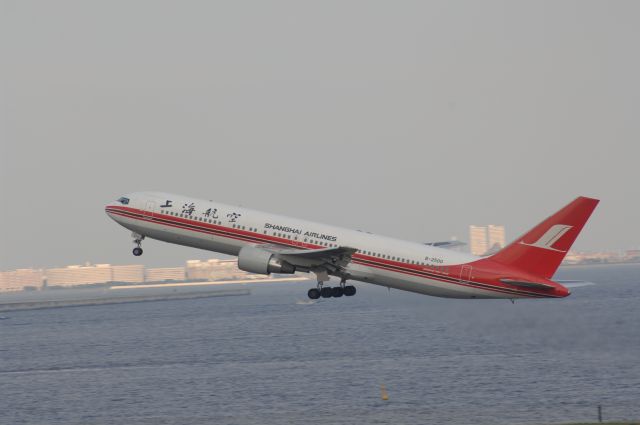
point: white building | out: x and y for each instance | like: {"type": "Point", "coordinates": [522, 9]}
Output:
{"type": "Point", "coordinates": [486, 239]}
{"type": "Point", "coordinates": [163, 274]}
{"type": "Point", "coordinates": [496, 235]}
{"type": "Point", "coordinates": [478, 239]}
{"type": "Point", "coordinates": [17, 280]}
{"type": "Point", "coordinates": [128, 274]}
{"type": "Point", "coordinates": [214, 269]}
{"type": "Point", "coordinates": [79, 275]}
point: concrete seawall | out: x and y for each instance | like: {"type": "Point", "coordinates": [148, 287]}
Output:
{"type": "Point", "coordinates": [84, 297]}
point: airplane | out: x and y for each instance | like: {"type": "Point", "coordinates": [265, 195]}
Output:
{"type": "Point", "coordinates": [267, 243]}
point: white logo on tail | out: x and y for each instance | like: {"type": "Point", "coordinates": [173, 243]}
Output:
{"type": "Point", "coordinates": [552, 236]}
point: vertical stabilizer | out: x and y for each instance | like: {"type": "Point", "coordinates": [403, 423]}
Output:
{"type": "Point", "coordinates": [541, 250]}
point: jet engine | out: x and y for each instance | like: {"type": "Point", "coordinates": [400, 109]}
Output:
{"type": "Point", "coordinates": [260, 261]}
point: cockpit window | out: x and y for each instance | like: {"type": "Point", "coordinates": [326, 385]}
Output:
{"type": "Point", "coordinates": [123, 200]}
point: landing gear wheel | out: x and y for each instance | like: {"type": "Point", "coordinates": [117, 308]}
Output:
{"type": "Point", "coordinates": [337, 292]}
{"type": "Point", "coordinates": [326, 292]}
{"type": "Point", "coordinates": [314, 293]}
{"type": "Point", "coordinates": [349, 290]}
{"type": "Point", "coordinates": [137, 239]}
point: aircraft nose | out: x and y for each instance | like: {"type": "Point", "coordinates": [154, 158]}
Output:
{"type": "Point", "coordinates": [109, 208]}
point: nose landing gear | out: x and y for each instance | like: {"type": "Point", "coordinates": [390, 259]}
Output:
{"type": "Point", "coordinates": [137, 239]}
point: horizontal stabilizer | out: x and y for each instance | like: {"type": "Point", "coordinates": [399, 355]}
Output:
{"type": "Point", "coordinates": [574, 283]}
{"type": "Point", "coordinates": [525, 284]}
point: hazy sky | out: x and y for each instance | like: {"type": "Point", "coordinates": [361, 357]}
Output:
{"type": "Point", "coordinates": [411, 119]}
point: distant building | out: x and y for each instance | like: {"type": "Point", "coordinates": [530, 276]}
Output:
{"type": "Point", "coordinates": [79, 275]}
{"type": "Point", "coordinates": [486, 239]}
{"type": "Point", "coordinates": [17, 280]}
{"type": "Point", "coordinates": [632, 255]}
{"type": "Point", "coordinates": [128, 274]}
{"type": "Point", "coordinates": [165, 273]}
{"type": "Point", "coordinates": [496, 237]}
{"type": "Point", "coordinates": [478, 240]}
{"type": "Point", "coordinates": [602, 257]}
{"type": "Point", "coordinates": [215, 269]}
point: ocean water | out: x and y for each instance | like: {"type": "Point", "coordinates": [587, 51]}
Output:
{"type": "Point", "coordinates": [268, 359]}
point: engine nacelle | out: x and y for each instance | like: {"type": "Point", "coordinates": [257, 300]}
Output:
{"type": "Point", "coordinates": [260, 261]}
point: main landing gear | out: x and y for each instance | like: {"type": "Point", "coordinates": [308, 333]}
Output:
{"type": "Point", "coordinates": [329, 292]}
{"type": "Point", "coordinates": [137, 239]}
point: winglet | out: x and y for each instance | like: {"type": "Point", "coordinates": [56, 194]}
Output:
{"type": "Point", "coordinates": [541, 250]}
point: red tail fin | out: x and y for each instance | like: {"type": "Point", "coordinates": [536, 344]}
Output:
{"type": "Point", "coordinates": [541, 250]}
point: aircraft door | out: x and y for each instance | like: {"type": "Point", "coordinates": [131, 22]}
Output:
{"type": "Point", "coordinates": [300, 241]}
{"type": "Point", "coordinates": [465, 273]}
{"type": "Point", "coordinates": [149, 209]}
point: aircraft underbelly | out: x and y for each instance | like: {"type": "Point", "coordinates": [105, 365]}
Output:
{"type": "Point", "coordinates": [420, 285]}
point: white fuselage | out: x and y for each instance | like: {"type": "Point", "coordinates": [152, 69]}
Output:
{"type": "Point", "coordinates": [226, 229]}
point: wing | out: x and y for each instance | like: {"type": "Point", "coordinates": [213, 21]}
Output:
{"type": "Point", "coordinates": [320, 261]}
{"type": "Point", "coordinates": [445, 244]}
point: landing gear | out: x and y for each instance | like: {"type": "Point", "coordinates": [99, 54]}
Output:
{"type": "Point", "coordinates": [349, 291]}
{"type": "Point", "coordinates": [332, 292]}
{"type": "Point", "coordinates": [337, 291]}
{"type": "Point", "coordinates": [137, 239]}
{"type": "Point", "coordinates": [326, 292]}
{"type": "Point", "coordinates": [314, 293]}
